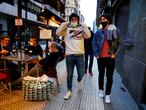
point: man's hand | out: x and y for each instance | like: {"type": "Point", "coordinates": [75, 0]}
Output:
{"type": "Point", "coordinates": [4, 52]}
{"type": "Point", "coordinates": [39, 65]}
{"type": "Point", "coordinates": [113, 56]}
{"type": "Point", "coordinates": [65, 25]}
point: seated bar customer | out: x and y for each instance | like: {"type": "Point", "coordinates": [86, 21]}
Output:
{"type": "Point", "coordinates": [47, 65]}
{"type": "Point", "coordinates": [13, 67]}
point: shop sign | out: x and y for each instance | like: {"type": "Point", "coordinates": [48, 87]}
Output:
{"type": "Point", "coordinates": [45, 34]}
{"type": "Point", "coordinates": [18, 22]}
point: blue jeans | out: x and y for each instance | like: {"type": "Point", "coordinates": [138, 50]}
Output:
{"type": "Point", "coordinates": [71, 62]}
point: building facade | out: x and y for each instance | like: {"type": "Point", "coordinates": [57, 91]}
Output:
{"type": "Point", "coordinates": [35, 14]}
{"type": "Point", "coordinates": [130, 17]}
{"type": "Point", "coordinates": [72, 6]}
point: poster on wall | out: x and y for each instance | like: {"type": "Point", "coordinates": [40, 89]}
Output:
{"type": "Point", "coordinates": [18, 22]}
{"type": "Point", "coordinates": [45, 34]}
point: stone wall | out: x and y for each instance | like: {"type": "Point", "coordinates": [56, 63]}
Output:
{"type": "Point", "coordinates": [131, 62]}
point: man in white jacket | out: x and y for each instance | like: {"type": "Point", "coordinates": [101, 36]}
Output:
{"type": "Point", "coordinates": [74, 34]}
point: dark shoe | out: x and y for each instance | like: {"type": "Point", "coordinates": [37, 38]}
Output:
{"type": "Point", "coordinates": [91, 73]}
{"type": "Point", "coordinates": [17, 86]}
{"type": "Point", "coordinates": [85, 72]}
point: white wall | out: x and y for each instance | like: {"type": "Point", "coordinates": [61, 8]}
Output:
{"type": "Point", "coordinates": [8, 9]}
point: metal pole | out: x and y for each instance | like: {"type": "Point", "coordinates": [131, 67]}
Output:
{"type": "Point", "coordinates": [26, 37]}
{"type": "Point", "coordinates": [19, 28]}
{"type": "Point", "coordinates": [47, 39]}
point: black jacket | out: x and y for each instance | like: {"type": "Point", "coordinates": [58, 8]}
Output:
{"type": "Point", "coordinates": [36, 50]}
{"type": "Point", "coordinates": [50, 61]}
{"type": "Point", "coordinates": [88, 44]}
{"type": "Point", "coordinates": [8, 48]}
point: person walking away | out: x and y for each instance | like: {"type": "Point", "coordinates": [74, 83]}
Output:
{"type": "Point", "coordinates": [74, 33]}
{"type": "Point", "coordinates": [105, 46]}
{"type": "Point", "coordinates": [89, 54]}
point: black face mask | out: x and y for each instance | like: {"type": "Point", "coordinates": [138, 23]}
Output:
{"type": "Point", "coordinates": [104, 24]}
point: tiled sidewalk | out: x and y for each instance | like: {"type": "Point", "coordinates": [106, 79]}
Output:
{"type": "Point", "coordinates": [88, 99]}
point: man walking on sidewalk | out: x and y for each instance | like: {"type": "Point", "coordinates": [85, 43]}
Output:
{"type": "Point", "coordinates": [105, 44]}
{"type": "Point", "coordinates": [74, 33]}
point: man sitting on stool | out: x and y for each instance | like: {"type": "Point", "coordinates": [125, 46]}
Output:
{"type": "Point", "coordinates": [47, 65]}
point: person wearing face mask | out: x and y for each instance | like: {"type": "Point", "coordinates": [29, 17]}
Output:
{"type": "Point", "coordinates": [74, 33]}
{"type": "Point", "coordinates": [47, 64]}
{"type": "Point", "coordinates": [33, 49]}
{"type": "Point", "coordinates": [105, 47]}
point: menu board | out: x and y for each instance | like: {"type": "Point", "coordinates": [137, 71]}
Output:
{"type": "Point", "coordinates": [45, 34]}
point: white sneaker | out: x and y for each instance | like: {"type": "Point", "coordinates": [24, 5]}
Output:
{"type": "Point", "coordinates": [68, 95]}
{"type": "Point", "coordinates": [101, 93]}
{"type": "Point", "coordinates": [80, 85]}
{"type": "Point", "coordinates": [107, 99]}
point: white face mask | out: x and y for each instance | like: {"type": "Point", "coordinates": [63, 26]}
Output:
{"type": "Point", "coordinates": [74, 24]}
{"type": "Point", "coordinates": [31, 43]}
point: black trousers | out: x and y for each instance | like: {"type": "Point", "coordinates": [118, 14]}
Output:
{"type": "Point", "coordinates": [106, 65]}
{"type": "Point", "coordinates": [91, 56]}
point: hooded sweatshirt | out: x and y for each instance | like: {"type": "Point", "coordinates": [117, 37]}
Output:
{"type": "Point", "coordinates": [74, 37]}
